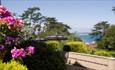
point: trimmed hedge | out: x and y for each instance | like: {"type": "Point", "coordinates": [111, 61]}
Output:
{"type": "Point", "coordinates": [54, 44]}
{"type": "Point", "coordinates": [102, 53]}
{"type": "Point", "coordinates": [12, 65]}
{"type": "Point", "coordinates": [112, 53]}
{"type": "Point", "coordinates": [75, 46]}
{"type": "Point", "coordinates": [105, 53]}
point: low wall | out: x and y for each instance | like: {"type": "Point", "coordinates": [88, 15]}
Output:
{"type": "Point", "coordinates": [91, 61]}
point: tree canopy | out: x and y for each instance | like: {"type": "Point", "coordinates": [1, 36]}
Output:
{"type": "Point", "coordinates": [99, 29]}
{"type": "Point", "coordinates": [33, 21]}
{"type": "Point", "coordinates": [53, 27]}
{"type": "Point", "coordinates": [108, 40]}
{"type": "Point", "coordinates": [39, 26]}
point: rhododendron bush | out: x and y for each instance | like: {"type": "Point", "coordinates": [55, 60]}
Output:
{"type": "Point", "coordinates": [10, 29]}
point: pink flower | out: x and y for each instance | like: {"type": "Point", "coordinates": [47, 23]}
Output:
{"type": "Point", "coordinates": [2, 9]}
{"type": "Point", "coordinates": [19, 22]}
{"type": "Point", "coordinates": [9, 20]}
{"type": "Point", "coordinates": [21, 52]}
{"type": "Point", "coordinates": [14, 53]}
{"type": "Point", "coordinates": [4, 12]}
{"type": "Point", "coordinates": [17, 53]}
{"type": "Point", "coordinates": [30, 49]}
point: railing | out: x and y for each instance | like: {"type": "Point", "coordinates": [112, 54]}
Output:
{"type": "Point", "coordinates": [91, 61]}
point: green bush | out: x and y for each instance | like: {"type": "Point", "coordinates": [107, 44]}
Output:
{"type": "Point", "coordinates": [54, 44]}
{"type": "Point", "coordinates": [77, 47]}
{"type": "Point", "coordinates": [13, 65]}
{"type": "Point", "coordinates": [102, 53]}
{"type": "Point", "coordinates": [45, 58]}
{"type": "Point", "coordinates": [66, 48]}
{"type": "Point", "coordinates": [112, 53]}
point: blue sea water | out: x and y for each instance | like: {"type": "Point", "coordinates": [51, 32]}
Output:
{"type": "Point", "coordinates": [86, 38]}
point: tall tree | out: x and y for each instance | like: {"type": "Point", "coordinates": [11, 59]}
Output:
{"type": "Point", "coordinates": [99, 29]}
{"type": "Point", "coordinates": [32, 16]}
{"type": "Point", "coordinates": [33, 19]}
{"type": "Point", "coordinates": [53, 27]}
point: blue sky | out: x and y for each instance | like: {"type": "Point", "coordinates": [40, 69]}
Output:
{"type": "Point", "coordinates": [81, 15]}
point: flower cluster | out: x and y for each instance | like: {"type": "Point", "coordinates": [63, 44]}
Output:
{"type": "Point", "coordinates": [4, 12]}
{"type": "Point", "coordinates": [19, 53]}
{"type": "Point", "coordinates": [7, 18]}
{"type": "Point", "coordinates": [30, 50]}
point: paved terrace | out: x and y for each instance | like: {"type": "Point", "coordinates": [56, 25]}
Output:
{"type": "Point", "coordinates": [80, 61]}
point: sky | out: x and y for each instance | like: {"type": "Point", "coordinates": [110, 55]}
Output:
{"type": "Point", "coordinates": [80, 15]}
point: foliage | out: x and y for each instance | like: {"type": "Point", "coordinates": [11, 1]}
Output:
{"type": "Point", "coordinates": [99, 29]}
{"type": "Point", "coordinates": [106, 53]}
{"type": "Point", "coordinates": [33, 20]}
{"type": "Point", "coordinates": [67, 48]}
{"type": "Point", "coordinates": [112, 53]}
{"type": "Point", "coordinates": [10, 28]}
{"type": "Point", "coordinates": [101, 44]}
{"type": "Point", "coordinates": [54, 44]}
{"type": "Point", "coordinates": [12, 65]}
{"type": "Point", "coordinates": [102, 53]}
{"type": "Point", "coordinates": [53, 27]}
{"type": "Point", "coordinates": [40, 26]}
{"type": "Point", "coordinates": [77, 47]}
{"type": "Point", "coordinates": [32, 15]}
{"type": "Point", "coordinates": [10, 36]}
{"type": "Point", "coordinates": [12, 41]}
{"type": "Point", "coordinates": [110, 37]}
{"type": "Point", "coordinates": [108, 41]}
{"type": "Point", "coordinates": [45, 58]}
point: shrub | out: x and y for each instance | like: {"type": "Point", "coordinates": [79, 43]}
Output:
{"type": "Point", "coordinates": [10, 30]}
{"type": "Point", "coordinates": [77, 47]}
{"type": "Point", "coordinates": [13, 65]}
{"type": "Point", "coordinates": [66, 48]}
{"type": "Point", "coordinates": [54, 44]}
{"type": "Point", "coordinates": [45, 58]}
{"type": "Point", "coordinates": [112, 53]}
{"type": "Point", "coordinates": [1, 65]}
{"type": "Point", "coordinates": [102, 53]}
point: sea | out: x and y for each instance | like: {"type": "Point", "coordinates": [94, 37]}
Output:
{"type": "Point", "coordinates": [86, 38]}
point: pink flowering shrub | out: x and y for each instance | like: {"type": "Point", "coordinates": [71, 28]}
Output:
{"type": "Point", "coordinates": [10, 28]}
